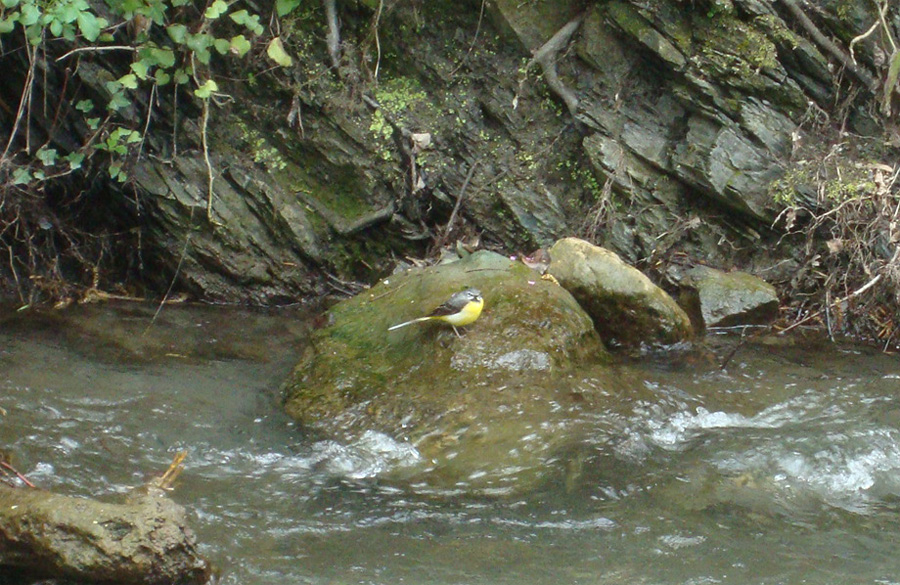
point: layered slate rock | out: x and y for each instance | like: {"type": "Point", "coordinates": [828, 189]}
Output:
{"type": "Point", "coordinates": [627, 308]}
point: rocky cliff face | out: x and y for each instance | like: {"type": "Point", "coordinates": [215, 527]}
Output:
{"type": "Point", "coordinates": [653, 129]}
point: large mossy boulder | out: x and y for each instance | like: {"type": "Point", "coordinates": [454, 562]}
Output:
{"type": "Point", "coordinates": [474, 406]}
{"type": "Point", "coordinates": [627, 308]}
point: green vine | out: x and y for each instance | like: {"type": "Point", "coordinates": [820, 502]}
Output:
{"type": "Point", "coordinates": [171, 47]}
{"type": "Point", "coordinates": [181, 57]}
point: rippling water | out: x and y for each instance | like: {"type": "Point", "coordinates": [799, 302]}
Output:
{"type": "Point", "coordinates": [782, 468]}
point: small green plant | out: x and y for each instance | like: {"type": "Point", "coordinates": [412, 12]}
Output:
{"type": "Point", "coordinates": [171, 46]}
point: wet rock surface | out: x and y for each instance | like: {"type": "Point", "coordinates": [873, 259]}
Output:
{"type": "Point", "coordinates": [464, 402]}
{"type": "Point", "coordinates": [627, 308]}
{"type": "Point", "coordinates": [143, 542]}
{"type": "Point", "coordinates": [723, 299]}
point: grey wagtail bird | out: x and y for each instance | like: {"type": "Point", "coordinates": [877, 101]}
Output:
{"type": "Point", "coordinates": [460, 309]}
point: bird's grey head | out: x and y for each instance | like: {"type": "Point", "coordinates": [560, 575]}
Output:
{"type": "Point", "coordinates": [474, 294]}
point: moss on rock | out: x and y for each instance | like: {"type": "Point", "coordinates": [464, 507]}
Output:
{"type": "Point", "coordinates": [463, 402]}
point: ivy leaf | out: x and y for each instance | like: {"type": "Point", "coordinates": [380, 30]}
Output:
{"type": "Point", "coordinates": [251, 21]}
{"type": "Point", "coordinates": [206, 90]}
{"type": "Point", "coordinates": [239, 17]}
{"type": "Point", "coordinates": [47, 156]}
{"type": "Point", "coordinates": [276, 53]}
{"type": "Point", "coordinates": [74, 159]}
{"type": "Point", "coordinates": [240, 45]}
{"type": "Point", "coordinates": [162, 78]}
{"type": "Point", "coordinates": [129, 81]}
{"type": "Point", "coordinates": [67, 12]}
{"type": "Point", "coordinates": [177, 32]}
{"type": "Point", "coordinates": [56, 28]}
{"type": "Point", "coordinates": [9, 3]}
{"type": "Point", "coordinates": [118, 101]}
{"type": "Point", "coordinates": [21, 176]}
{"type": "Point", "coordinates": [285, 7]}
{"type": "Point", "coordinates": [140, 68]}
{"type": "Point", "coordinates": [29, 15]}
{"type": "Point", "coordinates": [200, 44]}
{"type": "Point", "coordinates": [84, 106]}
{"type": "Point", "coordinates": [7, 25]}
{"type": "Point", "coordinates": [222, 46]}
{"type": "Point", "coordinates": [165, 58]}
{"type": "Point", "coordinates": [89, 25]}
{"type": "Point", "coordinates": [117, 173]}
{"type": "Point", "coordinates": [217, 9]}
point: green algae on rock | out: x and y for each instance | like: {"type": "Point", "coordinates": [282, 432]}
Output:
{"type": "Point", "coordinates": [464, 402]}
{"type": "Point", "coordinates": [725, 299]}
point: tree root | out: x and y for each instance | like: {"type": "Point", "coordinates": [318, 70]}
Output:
{"type": "Point", "coordinates": [333, 38]}
{"type": "Point", "coordinates": [546, 58]}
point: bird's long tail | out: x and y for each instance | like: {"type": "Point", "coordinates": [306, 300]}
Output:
{"type": "Point", "coordinates": [419, 320]}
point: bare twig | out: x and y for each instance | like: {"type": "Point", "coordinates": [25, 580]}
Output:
{"type": "Point", "coordinates": [175, 468]}
{"type": "Point", "coordinates": [815, 314]}
{"type": "Point", "coordinates": [462, 191]}
{"type": "Point", "coordinates": [24, 102]}
{"type": "Point", "coordinates": [97, 50]}
{"type": "Point", "coordinates": [868, 33]}
{"type": "Point", "coordinates": [209, 169]}
{"type": "Point", "coordinates": [402, 138]}
{"type": "Point", "coordinates": [21, 477]}
{"type": "Point", "coordinates": [474, 40]}
{"type": "Point", "coordinates": [184, 249]}
{"type": "Point", "coordinates": [375, 22]}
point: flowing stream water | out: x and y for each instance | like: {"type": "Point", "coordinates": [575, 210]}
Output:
{"type": "Point", "coordinates": [781, 468]}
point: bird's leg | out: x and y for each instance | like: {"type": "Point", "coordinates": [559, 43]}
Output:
{"type": "Point", "coordinates": [455, 330]}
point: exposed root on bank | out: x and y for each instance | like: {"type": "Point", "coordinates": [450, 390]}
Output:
{"type": "Point", "coordinates": [546, 58]}
{"type": "Point", "coordinates": [333, 38]}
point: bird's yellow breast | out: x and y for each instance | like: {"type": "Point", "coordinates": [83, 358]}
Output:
{"type": "Point", "coordinates": [466, 315]}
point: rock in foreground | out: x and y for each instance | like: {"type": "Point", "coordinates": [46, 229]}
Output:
{"type": "Point", "coordinates": [143, 542]}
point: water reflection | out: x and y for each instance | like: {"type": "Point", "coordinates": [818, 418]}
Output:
{"type": "Point", "coordinates": [782, 468]}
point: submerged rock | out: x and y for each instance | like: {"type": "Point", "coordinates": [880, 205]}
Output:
{"type": "Point", "coordinates": [474, 406]}
{"type": "Point", "coordinates": [628, 310]}
{"type": "Point", "coordinates": [723, 299]}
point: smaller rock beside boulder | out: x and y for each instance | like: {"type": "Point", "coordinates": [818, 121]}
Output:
{"type": "Point", "coordinates": [627, 308]}
{"type": "Point", "coordinates": [725, 299]}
